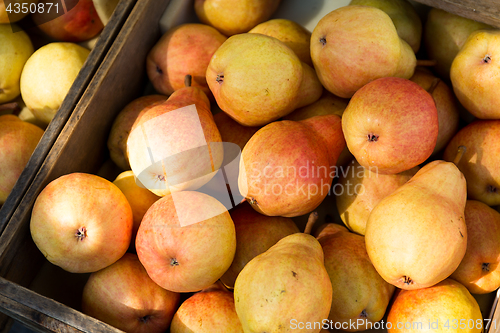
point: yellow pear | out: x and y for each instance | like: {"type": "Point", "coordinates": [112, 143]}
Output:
{"type": "Point", "coordinates": [446, 307]}
{"type": "Point", "coordinates": [416, 236]}
{"type": "Point", "coordinates": [403, 15]}
{"type": "Point", "coordinates": [289, 32]}
{"type": "Point", "coordinates": [234, 17]}
{"type": "Point", "coordinates": [362, 190]}
{"type": "Point", "coordinates": [139, 198]}
{"type": "Point", "coordinates": [15, 50]}
{"type": "Point", "coordinates": [285, 288]}
{"type": "Point", "coordinates": [360, 294]}
{"type": "Point", "coordinates": [48, 75]}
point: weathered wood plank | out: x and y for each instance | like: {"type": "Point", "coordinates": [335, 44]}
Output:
{"type": "Point", "coordinates": [486, 11]}
{"type": "Point", "coordinates": [87, 72]}
{"type": "Point", "coordinates": [45, 315]}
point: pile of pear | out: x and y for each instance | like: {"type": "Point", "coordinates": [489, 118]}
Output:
{"type": "Point", "coordinates": [415, 141]}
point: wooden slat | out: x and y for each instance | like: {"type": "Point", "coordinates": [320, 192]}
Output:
{"type": "Point", "coordinates": [80, 147]}
{"type": "Point", "coordinates": [486, 11]}
{"type": "Point", "coordinates": [45, 315]}
{"type": "Point", "coordinates": [76, 91]}
{"type": "Point", "coordinates": [495, 316]}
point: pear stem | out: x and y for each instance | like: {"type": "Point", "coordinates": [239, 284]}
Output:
{"type": "Point", "coordinates": [426, 63]}
{"type": "Point", "coordinates": [13, 107]}
{"type": "Point", "coordinates": [187, 80]}
{"type": "Point", "coordinates": [460, 152]}
{"type": "Point", "coordinates": [313, 217]}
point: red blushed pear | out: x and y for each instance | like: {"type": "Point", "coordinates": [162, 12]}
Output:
{"type": "Point", "coordinates": [435, 309]}
{"type": "Point", "coordinates": [81, 223]}
{"type": "Point", "coordinates": [479, 270]}
{"type": "Point", "coordinates": [354, 45]}
{"type": "Point", "coordinates": [79, 24]}
{"type": "Point", "coordinates": [117, 140]}
{"type": "Point", "coordinates": [182, 50]}
{"type": "Point", "coordinates": [176, 145]}
{"type": "Point", "coordinates": [124, 296]}
{"type": "Point", "coordinates": [391, 124]}
{"type": "Point", "coordinates": [210, 310]}
{"type": "Point", "coordinates": [255, 234]}
{"type": "Point", "coordinates": [18, 140]}
{"type": "Point", "coordinates": [287, 167]}
{"type": "Point", "coordinates": [480, 162]}
{"type": "Point", "coordinates": [446, 105]}
{"type": "Point", "coordinates": [359, 291]}
{"type": "Point", "coordinates": [186, 241]}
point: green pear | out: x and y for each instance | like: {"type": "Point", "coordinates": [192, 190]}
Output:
{"type": "Point", "coordinates": [444, 35]}
{"type": "Point", "coordinates": [403, 15]}
{"type": "Point", "coordinates": [416, 237]}
{"type": "Point", "coordinates": [354, 45]}
{"type": "Point", "coordinates": [285, 287]}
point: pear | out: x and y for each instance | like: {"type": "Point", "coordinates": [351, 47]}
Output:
{"type": "Point", "coordinates": [417, 237]}
{"type": "Point", "coordinates": [257, 79]}
{"type": "Point", "coordinates": [232, 131]}
{"type": "Point", "coordinates": [176, 145]}
{"type": "Point", "coordinates": [285, 287]}
{"type": "Point", "coordinates": [15, 50]}
{"type": "Point", "coordinates": [444, 35]}
{"type": "Point", "coordinates": [328, 103]}
{"type": "Point", "coordinates": [440, 308]}
{"type": "Point", "coordinates": [479, 269]}
{"type": "Point", "coordinates": [255, 234]}
{"type": "Point", "coordinates": [363, 190]}
{"type": "Point", "coordinates": [446, 104]}
{"type": "Point", "coordinates": [183, 49]}
{"type": "Point", "coordinates": [122, 125]}
{"type": "Point", "coordinates": [18, 140]}
{"type": "Point", "coordinates": [289, 32]}
{"type": "Point", "coordinates": [48, 76]}
{"type": "Point", "coordinates": [479, 163]}
{"type": "Point", "coordinates": [354, 45]}
{"type": "Point", "coordinates": [403, 15]}
{"type": "Point", "coordinates": [287, 167]}
{"type": "Point", "coordinates": [359, 291]}
{"type": "Point", "coordinates": [210, 310]}
{"type": "Point", "coordinates": [474, 74]}
{"type": "Point", "coordinates": [234, 17]}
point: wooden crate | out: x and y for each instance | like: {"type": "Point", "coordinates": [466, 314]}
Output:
{"type": "Point", "coordinates": [88, 70]}
{"type": "Point", "coordinates": [81, 147]}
